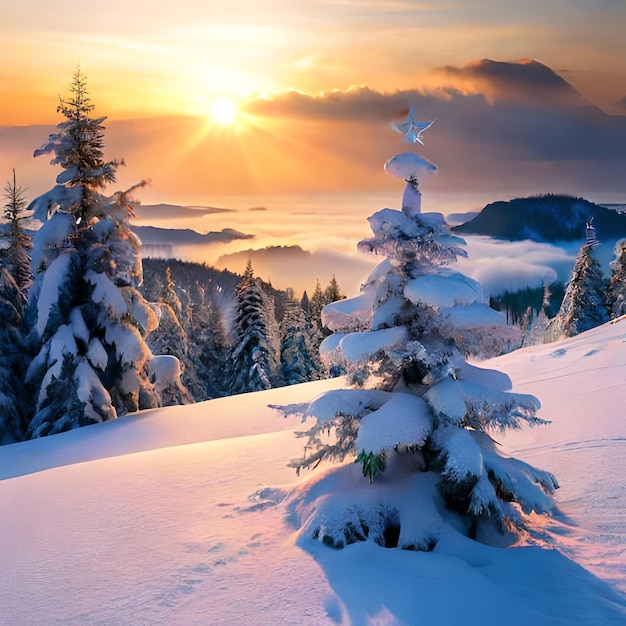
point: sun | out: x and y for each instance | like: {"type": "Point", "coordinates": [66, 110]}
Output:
{"type": "Point", "coordinates": [223, 111]}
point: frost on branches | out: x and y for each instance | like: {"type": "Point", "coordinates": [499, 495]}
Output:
{"type": "Point", "coordinates": [584, 304]}
{"type": "Point", "coordinates": [299, 361]}
{"type": "Point", "coordinates": [15, 278]}
{"type": "Point", "coordinates": [418, 414]}
{"type": "Point", "coordinates": [616, 295]}
{"type": "Point", "coordinates": [254, 356]}
{"type": "Point", "coordinates": [89, 320]}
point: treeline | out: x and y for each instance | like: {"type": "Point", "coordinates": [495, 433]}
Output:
{"type": "Point", "coordinates": [86, 336]}
{"type": "Point", "coordinates": [590, 298]}
{"type": "Point", "coordinates": [232, 333]}
{"type": "Point", "coordinates": [519, 305]}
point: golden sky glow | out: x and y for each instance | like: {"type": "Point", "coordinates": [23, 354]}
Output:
{"type": "Point", "coordinates": [149, 58]}
{"type": "Point", "coordinates": [315, 83]}
{"type": "Point", "coordinates": [307, 88]}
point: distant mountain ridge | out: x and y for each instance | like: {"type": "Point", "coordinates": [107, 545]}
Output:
{"type": "Point", "coordinates": [546, 218]}
{"type": "Point", "coordinates": [186, 236]}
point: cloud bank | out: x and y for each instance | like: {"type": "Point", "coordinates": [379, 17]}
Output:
{"type": "Point", "coordinates": [514, 128]}
{"type": "Point", "coordinates": [501, 266]}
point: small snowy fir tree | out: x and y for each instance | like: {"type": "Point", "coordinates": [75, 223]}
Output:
{"type": "Point", "coordinates": [299, 359]}
{"type": "Point", "coordinates": [616, 293]}
{"type": "Point", "coordinates": [14, 402]}
{"type": "Point", "coordinates": [89, 320]}
{"type": "Point", "coordinates": [254, 359]}
{"type": "Point", "coordinates": [583, 305]}
{"type": "Point", "coordinates": [15, 278]}
{"type": "Point", "coordinates": [170, 339]}
{"type": "Point", "coordinates": [418, 413]}
{"type": "Point", "coordinates": [210, 349]}
{"type": "Point", "coordinates": [17, 259]}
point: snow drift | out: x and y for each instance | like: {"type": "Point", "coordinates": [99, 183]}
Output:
{"type": "Point", "coordinates": [190, 515]}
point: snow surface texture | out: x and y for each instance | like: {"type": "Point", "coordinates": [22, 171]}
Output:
{"type": "Point", "coordinates": [188, 515]}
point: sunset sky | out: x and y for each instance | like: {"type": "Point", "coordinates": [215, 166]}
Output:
{"type": "Point", "coordinates": [156, 57]}
{"type": "Point", "coordinates": [315, 83]}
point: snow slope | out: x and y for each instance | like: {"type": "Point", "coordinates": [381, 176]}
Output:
{"type": "Point", "coordinates": [184, 516]}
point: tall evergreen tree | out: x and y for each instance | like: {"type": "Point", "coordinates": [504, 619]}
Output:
{"type": "Point", "coordinates": [14, 400]}
{"type": "Point", "coordinates": [320, 299]}
{"type": "Point", "coordinates": [332, 293]}
{"type": "Point", "coordinates": [299, 358]}
{"type": "Point", "coordinates": [170, 296]}
{"type": "Point", "coordinates": [15, 278]}
{"type": "Point", "coordinates": [584, 305]}
{"type": "Point", "coordinates": [616, 293]}
{"type": "Point", "coordinates": [210, 350]}
{"type": "Point", "coordinates": [20, 243]}
{"type": "Point", "coordinates": [254, 358]}
{"type": "Point", "coordinates": [78, 147]}
{"type": "Point", "coordinates": [88, 318]}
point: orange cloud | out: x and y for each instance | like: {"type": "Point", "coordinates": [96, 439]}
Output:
{"type": "Point", "coordinates": [338, 141]}
{"type": "Point", "coordinates": [524, 81]}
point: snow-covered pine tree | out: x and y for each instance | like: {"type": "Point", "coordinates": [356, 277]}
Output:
{"type": "Point", "coordinates": [418, 411]}
{"type": "Point", "coordinates": [170, 296]}
{"type": "Point", "coordinates": [89, 320]}
{"type": "Point", "coordinates": [78, 147]}
{"type": "Point", "coordinates": [254, 359]}
{"type": "Point", "coordinates": [14, 400]}
{"type": "Point", "coordinates": [170, 338]}
{"type": "Point", "coordinates": [17, 259]}
{"type": "Point", "coordinates": [584, 304]}
{"type": "Point", "coordinates": [616, 293]}
{"type": "Point", "coordinates": [299, 359]}
{"type": "Point", "coordinates": [210, 350]}
{"type": "Point", "coordinates": [15, 278]}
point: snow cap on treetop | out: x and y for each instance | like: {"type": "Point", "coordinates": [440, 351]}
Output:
{"type": "Point", "coordinates": [409, 165]}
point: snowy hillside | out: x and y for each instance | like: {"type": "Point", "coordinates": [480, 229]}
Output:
{"type": "Point", "coordinates": [190, 515]}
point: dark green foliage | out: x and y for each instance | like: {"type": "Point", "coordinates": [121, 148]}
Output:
{"type": "Point", "coordinates": [515, 304]}
{"type": "Point", "coordinates": [49, 420]}
{"type": "Point", "coordinates": [616, 292]}
{"type": "Point", "coordinates": [332, 293]}
{"type": "Point", "coordinates": [372, 464]}
{"type": "Point", "coordinates": [197, 336]}
{"type": "Point", "coordinates": [207, 302]}
{"type": "Point", "coordinates": [299, 354]}
{"type": "Point", "coordinates": [88, 320]}
{"type": "Point", "coordinates": [78, 148]}
{"type": "Point", "coordinates": [584, 304]}
{"type": "Point", "coordinates": [305, 303]}
{"type": "Point", "coordinates": [254, 358]}
{"type": "Point", "coordinates": [14, 400]}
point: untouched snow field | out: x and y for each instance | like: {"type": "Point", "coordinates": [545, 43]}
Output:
{"type": "Point", "coordinates": [186, 515]}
